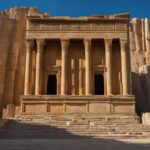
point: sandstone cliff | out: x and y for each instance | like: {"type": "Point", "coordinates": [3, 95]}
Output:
{"type": "Point", "coordinates": [140, 62]}
{"type": "Point", "coordinates": [12, 54]}
{"type": "Point", "coordinates": [12, 58]}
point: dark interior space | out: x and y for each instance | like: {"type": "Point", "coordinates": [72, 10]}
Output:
{"type": "Point", "coordinates": [52, 85]}
{"type": "Point", "coordinates": [99, 84]}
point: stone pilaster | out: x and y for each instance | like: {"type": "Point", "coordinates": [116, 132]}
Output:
{"type": "Point", "coordinates": [108, 59]}
{"type": "Point", "coordinates": [87, 44]}
{"type": "Point", "coordinates": [40, 48]}
{"type": "Point", "coordinates": [64, 52]}
{"type": "Point", "coordinates": [29, 48]}
{"type": "Point", "coordinates": [125, 65]}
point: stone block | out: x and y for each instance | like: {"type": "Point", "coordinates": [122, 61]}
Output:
{"type": "Point", "coordinates": [56, 108]}
{"type": "Point", "coordinates": [76, 108]}
{"type": "Point", "coordinates": [17, 110]}
{"type": "Point", "coordinates": [36, 108]}
{"type": "Point", "coordinates": [98, 108]}
{"type": "Point", "coordinates": [146, 118]}
{"type": "Point", "coordinates": [10, 111]}
{"type": "Point", "coordinates": [4, 113]}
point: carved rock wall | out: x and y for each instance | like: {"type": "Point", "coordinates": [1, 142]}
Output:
{"type": "Point", "coordinates": [12, 55]}
{"type": "Point", "coordinates": [12, 58]}
{"type": "Point", "coordinates": [140, 62]}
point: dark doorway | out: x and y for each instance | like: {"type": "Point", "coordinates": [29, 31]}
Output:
{"type": "Point", "coordinates": [99, 84]}
{"type": "Point", "coordinates": [52, 85]}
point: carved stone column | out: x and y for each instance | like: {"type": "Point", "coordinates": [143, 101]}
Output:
{"type": "Point", "coordinates": [80, 77]}
{"type": "Point", "coordinates": [29, 48]}
{"type": "Point", "coordinates": [64, 52]}
{"type": "Point", "coordinates": [73, 90]}
{"type": "Point", "coordinates": [125, 65]}
{"type": "Point", "coordinates": [87, 44]}
{"type": "Point", "coordinates": [40, 48]}
{"type": "Point", "coordinates": [108, 59]}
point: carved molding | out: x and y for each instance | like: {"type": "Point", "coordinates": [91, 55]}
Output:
{"type": "Point", "coordinates": [29, 45]}
{"type": "Point", "coordinates": [64, 45]}
{"type": "Point", "coordinates": [93, 26]}
{"type": "Point", "coordinates": [123, 44]}
{"type": "Point", "coordinates": [40, 44]}
{"type": "Point", "coordinates": [87, 44]}
{"type": "Point", "coordinates": [108, 44]}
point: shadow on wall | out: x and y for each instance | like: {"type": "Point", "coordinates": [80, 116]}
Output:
{"type": "Point", "coordinates": [27, 136]}
{"type": "Point", "coordinates": [141, 89]}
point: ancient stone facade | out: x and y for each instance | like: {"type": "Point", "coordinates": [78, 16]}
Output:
{"type": "Point", "coordinates": [86, 60]}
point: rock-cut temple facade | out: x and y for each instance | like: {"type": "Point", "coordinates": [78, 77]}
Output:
{"type": "Point", "coordinates": [68, 65]}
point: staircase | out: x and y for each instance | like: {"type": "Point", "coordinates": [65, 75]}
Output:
{"type": "Point", "coordinates": [74, 126]}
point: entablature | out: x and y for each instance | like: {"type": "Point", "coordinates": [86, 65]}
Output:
{"type": "Point", "coordinates": [76, 35]}
{"type": "Point", "coordinates": [99, 25]}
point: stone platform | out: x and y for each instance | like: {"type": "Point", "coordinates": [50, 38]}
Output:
{"type": "Point", "coordinates": [78, 104]}
{"type": "Point", "coordinates": [74, 126]}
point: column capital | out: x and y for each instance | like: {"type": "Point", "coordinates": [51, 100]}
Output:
{"type": "Point", "coordinates": [123, 44]}
{"type": "Point", "coordinates": [65, 44]}
{"type": "Point", "coordinates": [40, 44]}
{"type": "Point", "coordinates": [29, 45]}
{"type": "Point", "coordinates": [108, 44]}
{"type": "Point", "coordinates": [87, 42]}
{"type": "Point", "coordinates": [108, 41]}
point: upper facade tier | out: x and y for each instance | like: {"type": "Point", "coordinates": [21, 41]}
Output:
{"type": "Point", "coordinates": [42, 26]}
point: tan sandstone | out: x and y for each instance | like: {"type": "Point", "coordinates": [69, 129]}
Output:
{"type": "Point", "coordinates": [26, 63]}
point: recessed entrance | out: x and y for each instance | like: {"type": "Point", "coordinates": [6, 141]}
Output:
{"type": "Point", "coordinates": [52, 85]}
{"type": "Point", "coordinates": [99, 84]}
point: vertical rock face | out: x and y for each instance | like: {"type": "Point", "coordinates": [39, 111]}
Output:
{"type": "Point", "coordinates": [140, 62]}
{"type": "Point", "coordinates": [12, 54]}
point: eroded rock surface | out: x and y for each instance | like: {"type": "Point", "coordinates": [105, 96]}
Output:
{"type": "Point", "coordinates": [140, 62]}
{"type": "Point", "coordinates": [12, 54]}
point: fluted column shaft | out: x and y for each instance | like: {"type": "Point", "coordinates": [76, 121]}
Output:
{"type": "Point", "coordinates": [29, 48]}
{"type": "Point", "coordinates": [87, 44]}
{"type": "Point", "coordinates": [125, 67]}
{"type": "Point", "coordinates": [40, 47]}
{"type": "Point", "coordinates": [108, 59]}
{"type": "Point", "coordinates": [64, 51]}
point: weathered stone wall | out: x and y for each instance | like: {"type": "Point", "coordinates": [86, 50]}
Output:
{"type": "Point", "coordinates": [12, 55]}
{"type": "Point", "coordinates": [140, 62]}
{"type": "Point", "coordinates": [12, 58]}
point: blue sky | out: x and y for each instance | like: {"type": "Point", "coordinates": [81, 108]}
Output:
{"type": "Point", "coordinates": [74, 8]}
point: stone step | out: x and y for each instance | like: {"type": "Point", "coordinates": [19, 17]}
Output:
{"type": "Point", "coordinates": [80, 116]}
{"type": "Point", "coordinates": [29, 127]}
{"type": "Point", "coordinates": [85, 126]}
{"type": "Point", "coordinates": [75, 126]}
{"type": "Point", "coordinates": [39, 136]}
{"type": "Point", "coordinates": [79, 132]}
{"type": "Point", "coordinates": [80, 121]}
